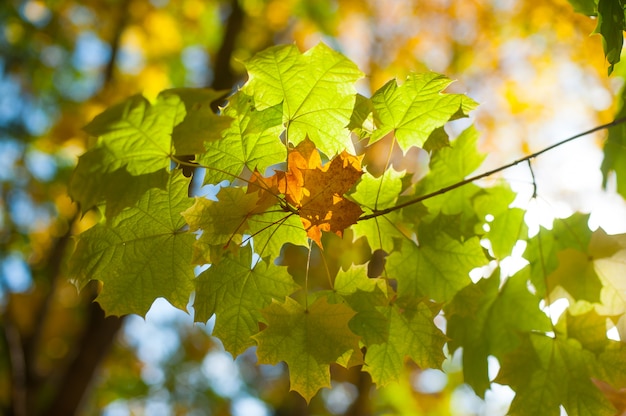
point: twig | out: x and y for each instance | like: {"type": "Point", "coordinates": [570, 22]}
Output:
{"type": "Point", "coordinates": [449, 188]}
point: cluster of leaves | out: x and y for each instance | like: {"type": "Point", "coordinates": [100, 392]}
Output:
{"type": "Point", "coordinates": [378, 264]}
{"type": "Point", "coordinates": [611, 16]}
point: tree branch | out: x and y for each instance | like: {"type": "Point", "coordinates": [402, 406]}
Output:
{"type": "Point", "coordinates": [377, 213]}
{"type": "Point", "coordinates": [223, 75]}
{"type": "Point", "coordinates": [100, 331]}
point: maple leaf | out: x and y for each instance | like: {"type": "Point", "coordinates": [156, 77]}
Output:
{"type": "Point", "coordinates": [507, 226]}
{"type": "Point", "coordinates": [609, 253]}
{"type": "Point", "coordinates": [576, 274]}
{"type": "Point", "coordinates": [138, 134]}
{"type": "Point", "coordinates": [141, 254]}
{"type": "Point", "coordinates": [273, 228]}
{"type": "Point", "coordinates": [541, 250]}
{"type": "Point", "coordinates": [222, 219]}
{"type": "Point", "coordinates": [390, 330]}
{"type": "Point", "coordinates": [316, 91]}
{"type": "Point", "coordinates": [588, 327]}
{"type": "Point", "coordinates": [97, 178]}
{"type": "Point", "coordinates": [379, 193]}
{"type": "Point", "coordinates": [293, 335]}
{"type": "Point", "coordinates": [582, 262]}
{"type": "Point", "coordinates": [251, 141]}
{"type": "Point", "coordinates": [485, 319]}
{"type": "Point", "coordinates": [610, 26]}
{"type": "Point", "coordinates": [408, 330]}
{"type": "Point", "coordinates": [548, 372]}
{"type": "Point", "coordinates": [614, 151]}
{"type": "Point", "coordinates": [365, 296]}
{"type": "Point", "coordinates": [235, 290]}
{"type": "Point", "coordinates": [450, 165]}
{"type": "Point", "coordinates": [195, 122]}
{"type": "Point", "coordinates": [136, 139]}
{"type": "Point", "coordinates": [436, 268]}
{"type": "Point", "coordinates": [416, 108]}
{"type": "Point", "coordinates": [317, 192]}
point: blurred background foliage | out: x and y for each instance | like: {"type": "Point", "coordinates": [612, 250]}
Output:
{"type": "Point", "coordinates": [532, 65]}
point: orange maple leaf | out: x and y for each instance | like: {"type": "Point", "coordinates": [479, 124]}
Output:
{"type": "Point", "coordinates": [317, 192]}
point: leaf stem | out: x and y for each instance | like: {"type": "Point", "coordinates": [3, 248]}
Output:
{"type": "Point", "coordinates": [283, 203]}
{"type": "Point", "coordinates": [449, 188]}
{"type": "Point", "coordinates": [306, 277]}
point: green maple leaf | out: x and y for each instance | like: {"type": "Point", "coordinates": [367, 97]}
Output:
{"type": "Point", "coordinates": [92, 182]}
{"type": "Point", "coordinates": [271, 229]}
{"type": "Point", "coordinates": [582, 262]}
{"type": "Point", "coordinates": [614, 152]}
{"type": "Point", "coordinates": [361, 121]}
{"type": "Point", "coordinates": [448, 166]}
{"type": "Point", "coordinates": [294, 335]}
{"type": "Point", "coordinates": [576, 274]}
{"type": "Point", "coordinates": [485, 319]}
{"type": "Point", "coordinates": [588, 327]}
{"type": "Point", "coordinates": [195, 122]}
{"type": "Point", "coordinates": [505, 230]}
{"type": "Point", "coordinates": [379, 193]}
{"type": "Point", "coordinates": [141, 254]}
{"type": "Point", "coordinates": [365, 296]}
{"type": "Point", "coordinates": [136, 140]}
{"type": "Point", "coordinates": [541, 251]}
{"type": "Point", "coordinates": [611, 24]}
{"type": "Point", "coordinates": [138, 134]}
{"type": "Point", "coordinates": [251, 141]}
{"type": "Point", "coordinates": [612, 365]}
{"type": "Point", "coordinates": [416, 108]}
{"type": "Point", "coordinates": [221, 220]}
{"type": "Point", "coordinates": [406, 331]}
{"type": "Point", "coordinates": [548, 372]}
{"type": "Point", "coordinates": [507, 226]}
{"type": "Point", "coordinates": [390, 331]}
{"type": "Point", "coordinates": [436, 268]}
{"type": "Point", "coordinates": [586, 7]}
{"type": "Point", "coordinates": [235, 291]}
{"type": "Point", "coordinates": [381, 231]}
{"type": "Point", "coordinates": [609, 253]}
{"type": "Point", "coordinates": [316, 90]}
{"type": "Point", "coordinates": [437, 140]}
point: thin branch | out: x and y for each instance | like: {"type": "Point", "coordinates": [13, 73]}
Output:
{"type": "Point", "coordinates": [449, 188]}
{"type": "Point", "coordinates": [122, 22]}
{"type": "Point", "coordinates": [532, 174]}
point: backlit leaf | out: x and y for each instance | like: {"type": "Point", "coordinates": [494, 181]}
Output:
{"type": "Point", "coordinates": [416, 108]}
{"type": "Point", "coordinates": [251, 141]}
{"type": "Point", "coordinates": [436, 268]}
{"type": "Point", "coordinates": [235, 290]}
{"type": "Point", "coordinates": [486, 319]}
{"type": "Point", "coordinates": [316, 90]}
{"type": "Point", "coordinates": [293, 335]}
{"type": "Point", "coordinates": [611, 26]}
{"type": "Point", "coordinates": [547, 372]}
{"type": "Point", "coordinates": [221, 220]}
{"type": "Point", "coordinates": [614, 151]}
{"type": "Point", "coordinates": [409, 332]}
{"type": "Point", "coordinates": [141, 254]}
{"type": "Point", "coordinates": [196, 122]}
